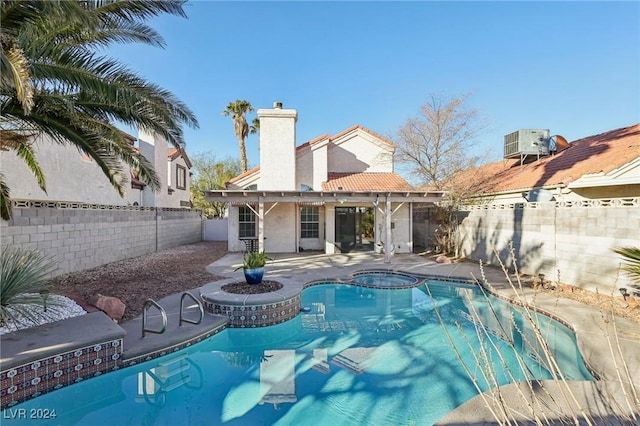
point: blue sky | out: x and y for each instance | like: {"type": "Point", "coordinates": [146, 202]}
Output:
{"type": "Point", "coordinates": [571, 67]}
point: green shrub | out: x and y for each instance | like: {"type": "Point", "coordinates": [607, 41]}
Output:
{"type": "Point", "coordinates": [24, 283]}
{"type": "Point", "coordinates": [254, 260]}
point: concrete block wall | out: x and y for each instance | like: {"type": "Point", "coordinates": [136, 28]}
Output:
{"type": "Point", "coordinates": [569, 242]}
{"type": "Point", "coordinates": [177, 227]}
{"type": "Point", "coordinates": [86, 237]}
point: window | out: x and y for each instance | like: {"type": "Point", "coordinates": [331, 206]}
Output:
{"type": "Point", "coordinates": [246, 222]}
{"type": "Point", "coordinates": [181, 177]}
{"type": "Point", "coordinates": [309, 222]}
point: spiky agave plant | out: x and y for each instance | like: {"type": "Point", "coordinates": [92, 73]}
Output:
{"type": "Point", "coordinates": [24, 274]}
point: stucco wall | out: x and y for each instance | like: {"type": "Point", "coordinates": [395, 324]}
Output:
{"type": "Point", "coordinates": [359, 154]}
{"type": "Point", "coordinates": [305, 171]}
{"type": "Point", "coordinates": [69, 176]}
{"type": "Point", "coordinates": [81, 238]}
{"type": "Point", "coordinates": [401, 230]}
{"type": "Point", "coordinates": [179, 198]}
{"type": "Point", "coordinates": [154, 148]}
{"type": "Point", "coordinates": [277, 148]}
{"type": "Point", "coordinates": [567, 241]}
{"type": "Point", "coordinates": [280, 229]}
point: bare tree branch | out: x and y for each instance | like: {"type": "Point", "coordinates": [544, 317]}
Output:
{"type": "Point", "coordinates": [436, 144]}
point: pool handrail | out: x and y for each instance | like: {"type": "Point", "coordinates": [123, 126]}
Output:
{"type": "Point", "coordinates": [148, 303]}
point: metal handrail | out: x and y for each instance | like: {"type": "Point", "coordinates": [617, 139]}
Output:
{"type": "Point", "coordinates": [148, 303]}
{"type": "Point", "coordinates": [200, 308]}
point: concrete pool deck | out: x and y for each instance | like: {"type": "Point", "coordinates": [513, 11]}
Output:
{"type": "Point", "coordinates": [601, 353]}
{"type": "Point", "coordinates": [596, 332]}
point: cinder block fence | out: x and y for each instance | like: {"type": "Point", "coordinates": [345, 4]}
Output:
{"type": "Point", "coordinates": [79, 236]}
{"type": "Point", "coordinates": [568, 241]}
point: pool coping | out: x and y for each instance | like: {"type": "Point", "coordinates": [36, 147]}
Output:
{"type": "Point", "coordinates": [586, 321]}
{"type": "Point", "coordinates": [252, 310]}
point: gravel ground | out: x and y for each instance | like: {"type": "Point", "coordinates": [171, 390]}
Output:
{"type": "Point", "coordinates": [58, 308]}
{"type": "Point", "coordinates": [153, 276]}
{"type": "Point", "coordinates": [183, 268]}
{"type": "Point", "coordinates": [265, 286]}
{"type": "Point", "coordinates": [628, 307]}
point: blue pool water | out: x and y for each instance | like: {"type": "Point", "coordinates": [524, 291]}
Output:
{"type": "Point", "coordinates": [384, 280]}
{"type": "Point", "coordinates": [360, 356]}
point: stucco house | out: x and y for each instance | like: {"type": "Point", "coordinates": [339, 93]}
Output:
{"type": "Point", "coordinates": [606, 165]}
{"type": "Point", "coordinates": [560, 213]}
{"type": "Point", "coordinates": [334, 194]}
{"type": "Point", "coordinates": [73, 177]}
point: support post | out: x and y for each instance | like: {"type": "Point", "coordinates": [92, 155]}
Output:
{"type": "Point", "coordinates": [387, 228]}
{"type": "Point", "coordinates": [260, 224]}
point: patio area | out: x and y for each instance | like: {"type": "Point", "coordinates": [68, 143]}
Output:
{"type": "Point", "coordinates": [604, 350]}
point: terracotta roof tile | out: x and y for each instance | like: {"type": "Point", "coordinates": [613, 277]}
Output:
{"type": "Point", "coordinates": [315, 140]}
{"type": "Point", "coordinates": [245, 174]}
{"type": "Point", "coordinates": [173, 153]}
{"type": "Point", "coordinates": [599, 153]}
{"type": "Point", "coordinates": [365, 182]}
{"type": "Point", "coordinates": [372, 133]}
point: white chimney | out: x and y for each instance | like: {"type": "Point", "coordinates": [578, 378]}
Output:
{"type": "Point", "coordinates": [277, 148]}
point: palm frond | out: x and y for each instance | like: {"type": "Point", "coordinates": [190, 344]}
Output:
{"type": "Point", "coordinates": [14, 69]}
{"type": "Point", "coordinates": [77, 95]}
{"type": "Point", "coordinates": [25, 151]}
{"type": "Point", "coordinates": [631, 257]}
{"type": "Point", "coordinates": [5, 199]}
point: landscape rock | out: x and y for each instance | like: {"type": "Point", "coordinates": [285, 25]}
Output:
{"type": "Point", "coordinates": [112, 306]}
{"type": "Point", "coordinates": [443, 259]}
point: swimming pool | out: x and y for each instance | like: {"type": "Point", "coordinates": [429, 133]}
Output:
{"type": "Point", "coordinates": [383, 279]}
{"type": "Point", "coordinates": [358, 356]}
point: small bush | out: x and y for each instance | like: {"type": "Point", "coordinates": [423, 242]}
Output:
{"type": "Point", "coordinates": [254, 260]}
{"type": "Point", "coordinates": [24, 283]}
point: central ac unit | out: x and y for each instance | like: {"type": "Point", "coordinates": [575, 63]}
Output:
{"type": "Point", "coordinates": [525, 142]}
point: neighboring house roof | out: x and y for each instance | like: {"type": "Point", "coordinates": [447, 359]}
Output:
{"type": "Point", "coordinates": [324, 137]}
{"type": "Point", "coordinates": [245, 174]}
{"type": "Point", "coordinates": [130, 138]}
{"type": "Point", "coordinates": [596, 154]}
{"type": "Point", "coordinates": [174, 153]}
{"type": "Point", "coordinates": [365, 182]}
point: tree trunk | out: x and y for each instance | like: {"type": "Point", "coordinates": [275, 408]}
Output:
{"type": "Point", "coordinates": [243, 155]}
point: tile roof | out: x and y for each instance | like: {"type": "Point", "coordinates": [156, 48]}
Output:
{"type": "Point", "coordinates": [593, 154]}
{"type": "Point", "coordinates": [174, 153]}
{"type": "Point", "coordinates": [244, 174]}
{"type": "Point", "coordinates": [316, 140]}
{"type": "Point", "coordinates": [364, 129]}
{"type": "Point", "coordinates": [365, 182]}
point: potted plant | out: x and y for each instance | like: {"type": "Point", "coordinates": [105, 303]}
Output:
{"type": "Point", "coordinates": [253, 266]}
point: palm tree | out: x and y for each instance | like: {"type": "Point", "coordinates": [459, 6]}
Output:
{"type": "Point", "coordinates": [631, 257]}
{"type": "Point", "coordinates": [255, 128]}
{"type": "Point", "coordinates": [237, 110]}
{"type": "Point", "coordinates": [54, 82]}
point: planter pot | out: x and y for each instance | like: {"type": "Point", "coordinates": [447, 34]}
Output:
{"type": "Point", "coordinates": [254, 275]}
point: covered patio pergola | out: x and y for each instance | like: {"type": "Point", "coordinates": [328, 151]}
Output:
{"type": "Point", "coordinates": [381, 201]}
